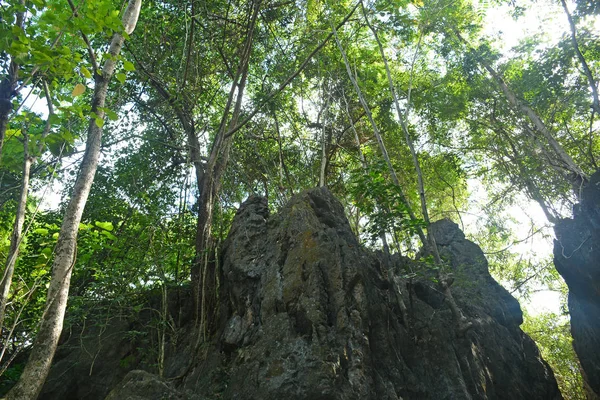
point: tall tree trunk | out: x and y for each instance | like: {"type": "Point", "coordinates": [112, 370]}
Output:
{"type": "Point", "coordinates": [324, 145]}
{"type": "Point", "coordinates": [210, 184]}
{"type": "Point", "coordinates": [291, 77]}
{"type": "Point", "coordinates": [15, 238]}
{"type": "Point", "coordinates": [37, 368]}
{"type": "Point", "coordinates": [407, 138]}
{"type": "Point", "coordinates": [283, 171]}
{"type": "Point", "coordinates": [584, 64]}
{"type": "Point", "coordinates": [386, 247]}
{"type": "Point", "coordinates": [9, 84]}
{"type": "Point", "coordinates": [361, 155]}
{"type": "Point", "coordinates": [523, 174]}
{"type": "Point", "coordinates": [578, 176]}
{"type": "Point", "coordinates": [378, 137]}
{"type": "Point", "coordinates": [444, 280]}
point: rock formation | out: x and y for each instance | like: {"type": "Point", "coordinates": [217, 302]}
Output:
{"type": "Point", "coordinates": [577, 259]}
{"type": "Point", "coordinates": [307, 313]}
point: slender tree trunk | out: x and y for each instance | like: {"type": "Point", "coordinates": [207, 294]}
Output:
{"type": "Point", "coordinates": [8, 85]}
{"type": "Point", "coordinates": [283, 168]}
{"type": "Point", "coordinates": [361, 155]}
{"type": "Point", "coordinates": [569, 164]}
{"type": "Point", "coordinates": [408, 140]}
{"type": "Point", "coordinates": [162, 327]}
{"type": "Point", "coordinates": [584, 64]}
{"type": "Point", "coordinates": [444, 280]}
{"type": "Point", "coordinates": [378, 137]}
{"type": "Point", "coordinates": [37, 368]}
{"type": "Point", "coordinates": [290, 78]}
{"type": "Point", "coordinates": [15, 239]}
{"type": "Point", "coordinates": [16, 236]}
{"type": "Point", "coordinates": [530, 185]}
{"type": "Point", "coordinates": [323, 158]}
{"type": "Point", "coordinates": [324, 143]}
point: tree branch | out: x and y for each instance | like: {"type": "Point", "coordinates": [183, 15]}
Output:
{"type": "Point", "coordinates": [291, 77]}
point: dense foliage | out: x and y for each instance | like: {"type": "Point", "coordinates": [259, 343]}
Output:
{"type": "Point", "coordinates": [215, 100]}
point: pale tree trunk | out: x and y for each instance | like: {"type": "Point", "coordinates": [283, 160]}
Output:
{"type": "Point", "coordinates": [569, 164]}
{"type": "Point", "coordinates": [291, 77]}
{"type": "Point", "coordinates": [283, 171]}
{"type": "Point", "coordinates": [386, 248]}
{"type": "Point", "coordinates": [8, 85]}
{"type": "Point", "coordinates": [37, 368]}
{"type": "Point", "coordinates": [584, 64]}
{"type": "Point", "coordinates": [220, 153]}
{"type": "Point", "coordinates": [361, 155]}
{"type": "Point", "coordinates": [205, 169]}
{"type": "Point", "coordinates": [324, 143]}
{"type": "Point", "coordinates": [534, 192]}
{"type": "Point", "coordinates": [378, 137]}
{"type": "Point", "coordinates": [16, 237]}
{"type": "Point", "coordinates": [407, 138]}
{"type": "Point", "coordinates": [444, 280]}
{"type": "Point", "coordinates": [323, 157]}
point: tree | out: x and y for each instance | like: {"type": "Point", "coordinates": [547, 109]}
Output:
{"type": "Point", "coordinates": [36, 370]}
{"type": "Point", "coordinates": [586, 69]}
{"type": "Point", "coordinates": [8, 85]}
{"type": "Point", "coordinates": [16, 237]}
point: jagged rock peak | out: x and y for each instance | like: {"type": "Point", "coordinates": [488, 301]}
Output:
{"type": "Point", "coordinates": [308, 313]}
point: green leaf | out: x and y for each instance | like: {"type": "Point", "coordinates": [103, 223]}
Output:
{"type": "Point", "coordinates": [99, 122]}
{"type": "Point", "coordinates": [78, 90]}
{"type": "Point", "coordinates": [108, 235]}
{"type": "Point", "coordinates": [41, 231]}
{"type": "Point", "coordinates": [121, 77]}
{"type": "Point", "coordinates": [111, 115]}
{"type": "Point", "coordinates": [108, 226]}
{"type": "Point", "coordinates": [85, 72]}
{"type": "Point", "coordinates": [128, 66]}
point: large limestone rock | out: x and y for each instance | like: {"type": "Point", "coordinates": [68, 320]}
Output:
{"type": "Point", "coordinates": [577, 259]}
{"type": "Point", "coordinates": [307, 313]}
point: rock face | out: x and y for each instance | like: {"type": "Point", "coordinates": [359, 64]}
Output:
{"type": "Point", "coordinates": [93, 359]}
{"type": "Point", "coordinates": [142, 385]}
{"type": "Point", "coordinates": [577, 259]}
{"type": "Point", "coordinates": [307, 313]}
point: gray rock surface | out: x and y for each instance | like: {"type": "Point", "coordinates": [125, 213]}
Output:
{"type": "Point", "coordinates": [307, 313]}
{"type": "Point", "coordinates": [142, 385]}
{"type": "Point", "coordinates": [577, 259]}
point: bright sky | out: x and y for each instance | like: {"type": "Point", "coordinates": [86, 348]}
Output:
{"type": "Point", "coordinates": [549, 19]}
{"type": "Point", "coordinates": [538, 248]}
